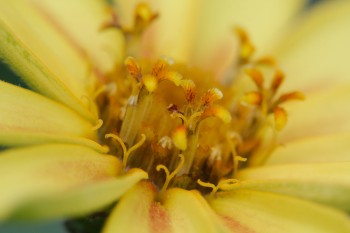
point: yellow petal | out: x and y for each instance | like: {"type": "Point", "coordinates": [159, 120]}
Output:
{"type": "Point", "coordinates": [13, 138]}
{"type": "Point", "coordinates": [80, 201]}
{"type": "Point", "coordinates": [24, 111]}
{"type": "Point", "coordinates": [337, 172]}
{"type": "Point", "coordinates": [314, 54]}
{"type": "Point", "coordinates": [176, 211]}
{"type": "Point", "coordinates": [190, 212]}
{"type": "Point", "coordinates": [253, 211]}
{"type": "Point", "coordinates": [134, 211]}
{"type": "Point", "coordinates": [42, 57]}
{"type": "Point", "coordinates": [322, 113]}
{"type": "Point", "coordinates": [81, 21]}
{"type": "Point", "coordinates": [323, 182]}
{"type": "Point", "coordinates": [215, 42]}
{"type": "Point", "coordinates": [330, 148]}
{"type": "Point", "coordinates": [38, 171]}
{"type": "Point", "coordinates": [336, 195]}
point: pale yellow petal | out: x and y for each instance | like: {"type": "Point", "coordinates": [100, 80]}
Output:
{"type": "Point", "coordinates": [330, 148]}
{"type": "Point", "coordinates": [327, 183]}
{"type": "Point", "coordinates": [17, 138]}
{"type": "Point", "coordinates": [80, 21]}
{"type": "Point", "coordinates": [42, 57]}
{"type": "Point", "coordinates": [253, 211]}
{"type": "Point", "coordinates": [337, 172]}
{"type": "Point", "coordinates": [135, 210]}
{"type": "Point", "coordinates": [37, 171]}
{"type": "Point", "coordinates": [322, 113]}
{"type": "Point", "coordinates": [189, 212]}
{"type": "Point", "coordinates": [176, 211]}
{"type": "Point", "coordinates": [24, 111]}
{"type": "Point", "coordinates": [79, 201]}
{"type": "Point", "coordinates": [328, 193]}
{"type": "Point", "coordinates": [215, 41]}
{"type": "Point", "coordinates": [315, 53]}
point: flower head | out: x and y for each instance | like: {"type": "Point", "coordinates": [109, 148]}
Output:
{"type": "Point", "coordinates": [168, 115]}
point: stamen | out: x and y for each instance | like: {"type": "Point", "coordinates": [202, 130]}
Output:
{"type": "Point", "coordinates": [169, 176]}
{"type": "Point", "coordinates": [233, 139]}
{"type": "Point", "coordinates": [290, 96]}
{"type": "Point", "coordinates": [247, 48]}
{"type": "Point", "coordinates": [99, 91]}
{"type": "Point", "coordinates": [225, 184]}
{"type": "Point", "coordinates": [277, 81]}
{"type": "Point", "coordinates": [192, 118]}
{"type": "Point", "coordinates": [133, 68]}
{"type": "Point", "coordinates": [127, 152]}
{"type": "Point", "coordinates": [256, 76]}
{"type": "Point", "coordinates": [180, 116]}
{"type": "Point", "coordinates": [208, 185]}
{"type": "Point", "coordinates": [211, 96]}
{"type": "Point", "coordinates": [98, 125]}
{"type": "Point", "coordinates": [253, 98]}
{"type": "Point", "coordinates": [143, 16]}
{"type": "Point", "coordinates": [190, 89]}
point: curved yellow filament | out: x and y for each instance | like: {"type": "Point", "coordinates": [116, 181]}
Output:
{"type": "Point", "coordinates": [169, 176]}
{"type": "Point", "coordinates": [98, 125]}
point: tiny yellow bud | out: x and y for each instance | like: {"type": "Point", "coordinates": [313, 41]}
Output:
{"type": "Point", "coordinates": [150, 82]}
{"type": "Point", "coordinates": [179, 137]}
{"type": "Point", "coordinates": [280, 116]}
{"type": "Point", "coordinates": [144, 12]}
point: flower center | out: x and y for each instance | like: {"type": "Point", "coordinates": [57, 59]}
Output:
{"type": "Point", "coordinates": [182, 125]}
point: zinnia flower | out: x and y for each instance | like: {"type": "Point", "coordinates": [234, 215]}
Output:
{"type": "Point", "coordinates": [167, 117]}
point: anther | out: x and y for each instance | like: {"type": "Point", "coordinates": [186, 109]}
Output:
{"type": "Point", "coordinates": [169, 176]}
{"type": "Point", "coordinates": [277, 81]}
{"type": "Point", "coordinates": [247, 48]}
{"type": "Point", "coordinates": [144, 16]}
{"type": "Point", "coordinates": [211, 96]}
{"type": "Point", "coordinates": [133, 68]}
{"type": "Point", "coordinates": [189, 88]}
{"type": "Point", "coordinates": [256, 76]}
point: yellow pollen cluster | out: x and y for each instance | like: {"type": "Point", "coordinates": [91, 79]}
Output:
{"type": "Point", "coordinates": [166, 116]}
